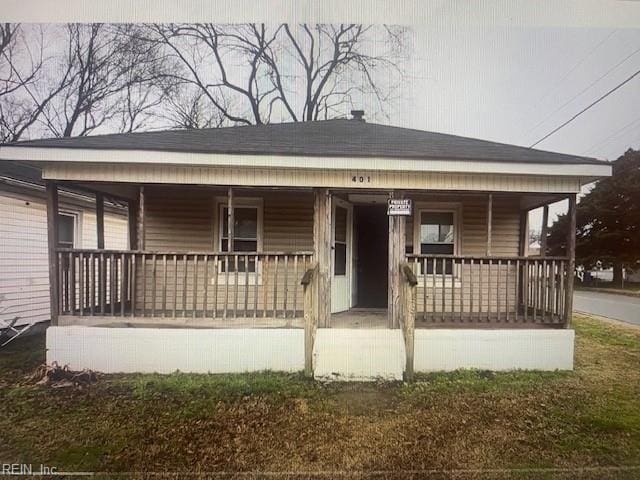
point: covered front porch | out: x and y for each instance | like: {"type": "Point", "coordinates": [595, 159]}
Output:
{"type": "Point", "coordinates": [264, 242]}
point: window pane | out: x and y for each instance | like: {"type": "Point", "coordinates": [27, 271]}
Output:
{"type": "Point", "coordinates": [66, 234]}
{"type": "Point", "coordinates": [341, 224]}
{"type": "Point", "coordinates": [245, 222]}
{"type": "Point", "coordinates": [340, 259]}
{"type": "Point", "coordinates": [436, 227]}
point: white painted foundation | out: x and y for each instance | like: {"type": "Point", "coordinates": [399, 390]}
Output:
{"type": "Point", "coordinates": [166, 350]}
{"type": "Point", "coordinates": [451, 349]}
{"type": "Point", "coordinates": [352, 354]}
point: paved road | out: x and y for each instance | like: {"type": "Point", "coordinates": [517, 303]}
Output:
{"type": "Point", "coordinates": [619, 307]}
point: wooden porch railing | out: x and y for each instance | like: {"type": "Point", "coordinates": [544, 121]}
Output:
{"type": "Point", "coordinates": [181, 284]}
{"type": "Point", "coordinates": [491, 289]}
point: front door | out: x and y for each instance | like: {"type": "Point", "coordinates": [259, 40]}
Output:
{"type": "Point", "coordinates": [341, 248]}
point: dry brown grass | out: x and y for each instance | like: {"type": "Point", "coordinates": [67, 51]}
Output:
{"type": "Point", "coordinates": [463, 425]}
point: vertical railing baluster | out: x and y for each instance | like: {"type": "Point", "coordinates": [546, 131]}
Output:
{"type": "Point", "coordinates": [226, 286]}
{"type": "Point", "coordinates": [81, 282]}
{"type": "Point", "coordinates": [112, 277]}
{"type": "Point", "coordinates": [265, 285]}
{"type": "Point", "coordinates": [472, 290]}
{"type": "Point", "coordinates": [154, 279]}
{"type": "Point", "coordinates": [205, 299]}
{"type": "Point", "coordinates": [123, 283]}
{"type": "Point", "coordinates": [216, 272]}
{"type": "Point", "coordinates": [72, 282]}
{"type": "Point", "coordinates": [195, 285]}
{"type": "Point", "coordinates": [92, 284]}
{"type": "Point", "coordinates": [498, 303]}
{"type": "Point", "coordinates": [296, 284]}
{"type": "Point", "coordinates": [461, 314]}
{"type": "Point", "coordinates": [185, 281]}
{"type": "Point", "coordinates": [536, 293]}
{"type": "Point", "coordinates": [444, 289]}
{"type": "Point", "coordinates": [255, 286]}
{"type": "Point", "coordinates": [275, 286]}
{"type": "Point", "coordinates": [175, 285]}
{"type": "Point", "coordinates": [424, 289]}
{"type": "Point", "coordinates": [143, 270]}
{"type": "Point", "coordinates": [507, 291]}
{"type": "Point", "coordinates": [286, 286]}
{"type": "Point", "coordinates": [453, 289]}
{"type": "Point", "coordinates": [134, 286]}
{"type": "Point", "coordinates": [165, 277]}
{"type": "Point", "coordinates": [246, 286]}
{"type": "Point", "coordinates": [433, 289]}
{"type": "Point", "coordinates": [235, 285]}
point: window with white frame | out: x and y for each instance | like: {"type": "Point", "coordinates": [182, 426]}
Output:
{"type": "Point", "coordinates": [247, 232]}
{"type": "Point", "coordinates": [67, 229]}
{"type": "Point", "coordinates": [437, 236]}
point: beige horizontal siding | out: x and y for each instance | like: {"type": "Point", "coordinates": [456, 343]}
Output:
{"type": "Point", "coordinates": [289, 177]}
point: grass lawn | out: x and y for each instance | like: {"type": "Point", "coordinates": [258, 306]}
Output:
{"type": "Point", "coordinates": [524, 423]}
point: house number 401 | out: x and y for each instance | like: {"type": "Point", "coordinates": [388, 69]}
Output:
{"type": "Point", "coordinates": [361, 179]}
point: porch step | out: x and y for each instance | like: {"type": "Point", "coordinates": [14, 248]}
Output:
{"type": "Point", "coordinates": [351, 354]}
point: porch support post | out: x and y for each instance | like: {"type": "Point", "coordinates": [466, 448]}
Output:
{"type": "Point", "coordinates": [100, 221]}
{"type": "Point", "coordinates": [52, 242]}
{"type": "Point", "coordinates": [489, 223]}
{"type": "Point", "coordinates": [571, 253]}
{"type": "Point", "coordinates": [397, 233]}
{"type": "Point", "coordinates": [140, 236]}
{"type": "Point", "coordinates": [544, 231]}
{"type": "Point", "coordinates": [523, 251]}
{"type": "Point", "coordinates": [132, 219]}
{"type": "Point", "coordinates": [322, 253]}
{"type": "Point", "coordinates": [231, 222]}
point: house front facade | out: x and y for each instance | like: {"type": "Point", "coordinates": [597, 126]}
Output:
{"type": "Point", "coordinates": [347, 249]}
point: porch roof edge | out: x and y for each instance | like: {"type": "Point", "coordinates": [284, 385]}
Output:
{"type": "Point", "coordinates": [588, 171]}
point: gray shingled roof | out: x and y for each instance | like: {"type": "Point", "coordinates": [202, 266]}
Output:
{"type": "Point", "coordinates": [335, 138]}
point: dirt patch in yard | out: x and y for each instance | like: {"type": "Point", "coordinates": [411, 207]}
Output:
{"type": "Point", "coordinates": [466, 424]}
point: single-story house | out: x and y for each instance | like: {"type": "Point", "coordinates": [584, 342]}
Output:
{"type": "Point", "coordinates": [345, 248]}
{"type": "Point", "coordinates": [24, 266]}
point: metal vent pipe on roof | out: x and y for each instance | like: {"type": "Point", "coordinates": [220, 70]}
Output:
{"type": "Point", "coordinates": [358, 115]}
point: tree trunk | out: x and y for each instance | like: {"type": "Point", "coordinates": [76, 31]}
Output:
{"type": "Point", "coordinates": [617, 274]}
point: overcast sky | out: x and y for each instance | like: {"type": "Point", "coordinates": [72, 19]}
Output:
{"type": "Point", "coordinates": [509, 71]}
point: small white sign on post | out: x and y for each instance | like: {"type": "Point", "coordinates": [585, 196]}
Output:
{"type": "Point", "coordinates": [399, 207]}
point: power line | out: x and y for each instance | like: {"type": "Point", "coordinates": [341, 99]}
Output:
{"type": "Point", "coordinates": [586, 108]}
{"type": "Point", "coordinates": [584, 90]}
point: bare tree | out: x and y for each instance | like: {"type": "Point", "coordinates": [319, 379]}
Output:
{"type": "Point", "coordinates": [23, 93]}
{"type": "Point", "coordinates": [115, 82]}
{"type": "Point", "coordinates": [298, 73]}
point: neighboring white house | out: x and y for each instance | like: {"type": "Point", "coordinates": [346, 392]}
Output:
{"type": "Point", "coordinates": [24, 271]}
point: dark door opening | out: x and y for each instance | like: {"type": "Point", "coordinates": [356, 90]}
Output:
{"type": "Point", "coordinates": [372, 247]}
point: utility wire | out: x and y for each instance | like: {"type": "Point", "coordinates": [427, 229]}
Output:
{"type": "Point", "coordinates": [586, 108]}
{"type": "Point", "coordinates": [584, 90]}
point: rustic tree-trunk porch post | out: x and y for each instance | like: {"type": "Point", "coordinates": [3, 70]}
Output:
{"type": "Point", "coordinates": [322, 253]}
{"type": "Point", "coordinates": [397, 233]}
{"type": "Point", "coordinates": [52, 243]}
{"type": "Point", "coordinates": [132, 222]}
{"type": "Point", "coordinates": [489, 223]}
{"type": "Point", "coordinates": [544, 232]}
{"type": "Point", "coordinates": [100, 221]}
{"type": "Point", "coordinates": [140, 235]}
{"type": "Point", "coordinates": [571, 253]}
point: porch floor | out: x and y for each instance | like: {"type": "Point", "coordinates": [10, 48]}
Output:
{"type": "Point", "coordinates": [373, 318]}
